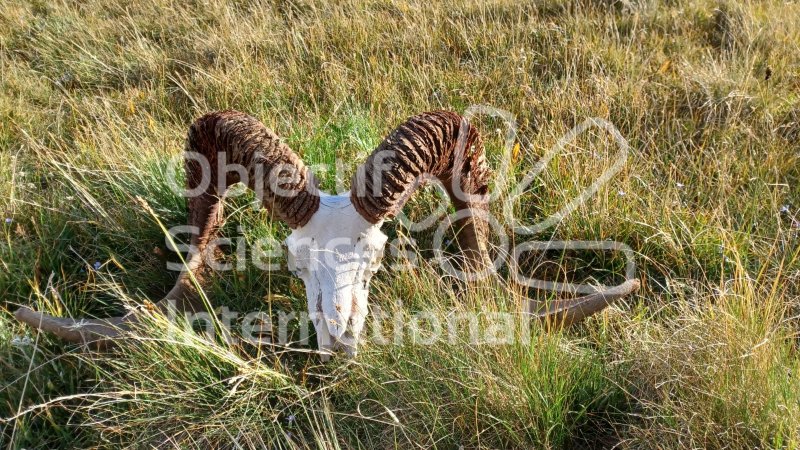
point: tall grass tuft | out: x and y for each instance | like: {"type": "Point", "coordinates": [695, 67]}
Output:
{"type": "Point", "coordinates": [95, 99]}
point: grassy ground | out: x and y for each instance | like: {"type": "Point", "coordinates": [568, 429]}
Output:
{"type": "Point", "coordinates": [94, 105]}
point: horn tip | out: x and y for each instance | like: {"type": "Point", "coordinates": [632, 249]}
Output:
{"type": "Point", "coordinates": [26, 315]}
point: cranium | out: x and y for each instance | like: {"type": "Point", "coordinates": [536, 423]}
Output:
{"type": "Point", "coordinates": [335, 254]}
{"type": "Point", "coordinates": [336, 244]}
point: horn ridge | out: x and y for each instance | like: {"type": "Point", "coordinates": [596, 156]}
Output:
{"type": "Point", "coordinates": [425, 144]}
{"type": "Point", "coordinates": [429, 144]}
{"type": "Point", "coordinates": [243, 140]}
{"type": "Point", "coordinates": [246, 141]}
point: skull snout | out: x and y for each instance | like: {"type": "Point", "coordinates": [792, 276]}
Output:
{"type": "Point", "coordinates": [335, 255]}
{"type": "Point", "coordinates": [340, 280]}
{"type": "Point", "coordinates": [337, 306]}
{"type": "Point", "coordinates": [344, 311]}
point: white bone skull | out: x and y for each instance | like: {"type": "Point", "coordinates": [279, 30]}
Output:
{"type": "Point", "coordinates": [336, 244]}
{"type": "Point", "coordinates": [335, 254]}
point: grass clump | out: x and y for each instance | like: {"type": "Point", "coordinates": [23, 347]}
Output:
{"type": "Point", "coordinates": [95, 100]}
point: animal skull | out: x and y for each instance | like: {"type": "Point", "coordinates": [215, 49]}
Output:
{"type": "Point", "coordinates": [335, 254]}
{"type": "Point", "coordinates": [336, 243]}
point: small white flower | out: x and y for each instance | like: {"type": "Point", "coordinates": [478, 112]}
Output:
{"type": "Point", "coordinates": [21, 341]}
{"type": "Point", "coordinates": [680, 185]}
{"type": "Point", "coordinates": [785, 209]}
{"type": "Point", "coordinates": [621, 193]}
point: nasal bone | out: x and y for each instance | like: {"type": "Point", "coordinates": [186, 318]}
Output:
{"type": "Point", "coordinates": [337, 305]}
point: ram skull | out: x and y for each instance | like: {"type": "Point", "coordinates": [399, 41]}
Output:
{"type": "Point", "coordinates": [336, 244]}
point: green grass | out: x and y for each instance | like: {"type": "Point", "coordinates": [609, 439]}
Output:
{"type": "Point", "coordinates": [95, 100]}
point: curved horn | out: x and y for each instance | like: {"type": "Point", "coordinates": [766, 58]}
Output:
{"type": "Point", "coordinates": [266, 164]}
{"type": "Point", "coordinates": [565, 312]}
{"type": "Point", "coordinates": [441, 144]}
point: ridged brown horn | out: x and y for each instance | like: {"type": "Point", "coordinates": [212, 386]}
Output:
{"type": "Point", "coordinates": [440, 144]}
{"type": "Point", "coordinates": [272, 170]}
{"type": "Point", "coordinates": [444, 145]}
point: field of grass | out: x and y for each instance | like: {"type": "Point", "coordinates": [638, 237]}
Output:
{"type": "Point", "coordinates": [95, 101]}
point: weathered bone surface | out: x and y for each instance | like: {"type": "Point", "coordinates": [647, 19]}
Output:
{"type": "Point", "coordinates": [336, 243]}
{"type": "Point", "coordinates": [335, 254]}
